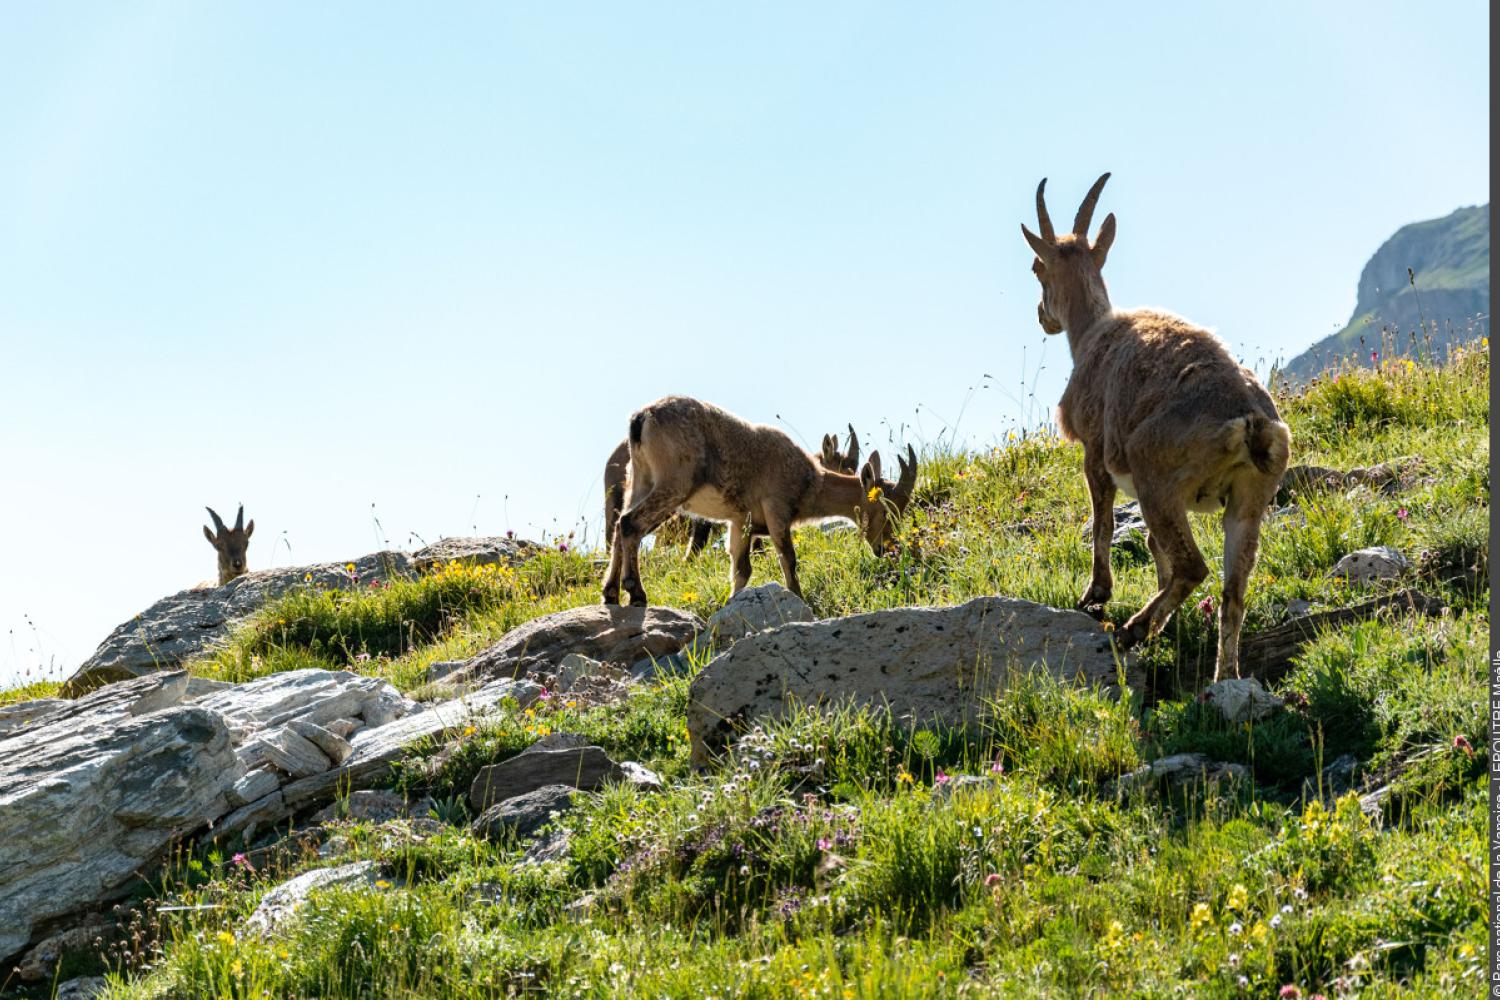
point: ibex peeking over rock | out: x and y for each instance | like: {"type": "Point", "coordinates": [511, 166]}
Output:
{"type": "Point", "coordinates": [230, 543]}
{"type": "Point", "coordinates": [617, 477]}
{"type": "Point", "coordinates": [690, 454]}
{"type": "Point", "coordinates": [1166, 414]}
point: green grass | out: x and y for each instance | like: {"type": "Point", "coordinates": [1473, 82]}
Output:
{"type": "Point", "coordinates": [831, 854]}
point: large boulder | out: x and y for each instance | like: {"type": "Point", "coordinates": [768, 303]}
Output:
{"type": "Point", "coordinates": [614, 635]}
{"type": "Point", "coordinates": [1379, 562]}
{"type": "Point", "coordinates": [316, 696]}
{"type": "Point", "coordinates": [756, 609]}
{"type": "Point", "coordinates": [185, 625]}
{"type": "Point", "coordinates": [522, 815]}
{"type": "Point", "coordinates": [925, 664]}
{"type": "Point", "coordinates": [478, 551]}
{"type": "Point", "coordinates": [92, 794]}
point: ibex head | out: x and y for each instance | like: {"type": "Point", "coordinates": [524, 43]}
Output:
{"type": "Point", "coordinates": [1068, 266]}
{"type": "Point", "coordinates": [840, 461]}
{"type": "Point", "coordinates": [883, 498]}
{"type": "Point", "coordinates": [230, 543]}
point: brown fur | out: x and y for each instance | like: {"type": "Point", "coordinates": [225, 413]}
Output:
{"type": "Point", "coordinates": [692, 455]}
{"type": "Point", "coordinates": [230, 543]}
{"type": "Point", "coordinates": [695, 531]}
{"type": "Point", "coordinates": [1158, 404]}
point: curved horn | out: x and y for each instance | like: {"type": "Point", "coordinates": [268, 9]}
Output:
{"type": "Point", "coordinates": [853, 449]}
{"type": "Point", "coordinates": [1086, 210]}
{"type": "Point", "coordinates": [1043, 219]}
{"type": "Point", "coordinates": [908, 480]}
{"type": "Point", "coordinates": [239, 519]}
{"type": "Point", "coordinates": [218, 521]}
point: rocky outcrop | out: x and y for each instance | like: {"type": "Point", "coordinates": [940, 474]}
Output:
{"type": "Point", "coordinates": [94, 790]}
{"type": "Point", "coordinates": [91, 794]}
{"type": "Point", "coordinates": [187, 624]}
{"type": "Point", "coordinates": [1179, 771]}
{"type": "Point", "coordinates": [924, 664]}
{"type": "Point", "coordinates": [756, 609]}
{"type": "Point", "coordinates": [1387, 477]}
{"type": "Point", "coordinates": [615, 635]}
{"type": "Point", "coordinates": [1130, 528]}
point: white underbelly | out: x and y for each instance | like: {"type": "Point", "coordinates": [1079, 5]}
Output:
{"type": "Point", "coordinates": [1125, 484]}
{"type": "Point", "coordinates": [706, 501]}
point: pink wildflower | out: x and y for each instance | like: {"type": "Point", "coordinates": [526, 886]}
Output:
{"type": "Point", "coordinates": [998, 767]}
{"type": "Point", "coordinates": [991, 880]}
{"type": "Point", "coordinates": [940, 778]}
{"type": "Point", "coordinates": [1459, 743]}
{"type": "Point", "coordinates": [1402, 514]}
{"type": "Point", "coordinates": [1207, 606]}
{"type": "Point", "coordinates": [240, 861]}
{"type": "Point", "coordinates": [824, 843]}
{"type": "Point", "coordinates": [1290, 992]}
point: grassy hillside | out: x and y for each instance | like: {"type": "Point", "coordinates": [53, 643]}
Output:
{"type": "Point", "coordinates": [831, 856]}
{"type": "Point", "coordinates": [1442, 303]}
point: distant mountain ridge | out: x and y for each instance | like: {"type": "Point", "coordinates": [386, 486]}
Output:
{"type": "Point", "coordinates": [1450, 299]}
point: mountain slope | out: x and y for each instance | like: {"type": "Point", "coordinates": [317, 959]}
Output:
{"type": "Point", "coordinates": [1447, 304]}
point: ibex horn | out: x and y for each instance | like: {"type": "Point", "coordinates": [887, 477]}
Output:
{"type": "Point", "coordinates": [853, 448]}
{"type": "Point", "coordinates": [908, 480]}
{"type": "Point", "coordinates": [1086, 210]}
{"type": "Point", "coordinates": [239, 519]}
{"type": "Point", "coordinates": [1043, 219]}
{"type": "Point", "coordinates": [218, 521]}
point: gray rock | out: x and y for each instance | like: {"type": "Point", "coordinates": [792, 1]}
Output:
{"type": "Point", "coordinates": [618, 635]}
{"type": "Point", "coordinates": [521, 815]}
{"type": "Point", "coordinates": [551, 846]}
{"type": "Point", "coordinates": [1380, 562]}
{"type": "Point", "coordinates": [253, 786]}
{"type": "Point", "coordinates": [82, 988]}
{"type": "Point", "coordinates": [641, 776]}
{"type": "Point", "coordinates": [575, 667]}
{"type": "Point", "coordinates": [671, 665]}
{"type": "Point", "coordinates": [1179, 771]}
{"type": "Point", "coordinates": [557, 741]}
{"type": "Point", "coordinates": [374, 805]}
{"type": "Point", "coordinates": [1298, 608]}
{"type": "Point", "coordinates": [1334, 780]}
{"type": "Point", "coordinates": [245, 821]}
{"type": "Point", "coordinates": [27, 713]}
{"type": "Point", "coordinates": [1241, 699]}
{"type": "Point", "coordinates": [925, 664]}
{"type": "Point", "coordinates": [91, 794]}
{"type": "Point", "coordinates": [476, 551]}
{"type": "Point", "coordinates": [756, 609]}
{"type": "Point", "coordinates": [285, 750]}
{"type": "Point", "coordinates": [577, 767]}
{"type": "Point", "coordinates": [281, 904]}
{"type": "Point", "coordinates": [202, 687]}
{"type": "Point", "coordinates": [335, 748]}
{"type": "Point", "coordinates": [316, 696]}
{"type": "Point", "coordinates": [1130, 527]}
{"type": "Point", "coordinates": [344, 728]}
{"type": "Point", "coordinates": [446, 670]}
{"type": "Point", "coordinates": [185, 625]}
{"type": "Point", "coordinates": [42, 960]}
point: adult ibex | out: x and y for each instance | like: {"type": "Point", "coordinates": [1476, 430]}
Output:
{"type": "Point", "coordinates": [1166, 414]}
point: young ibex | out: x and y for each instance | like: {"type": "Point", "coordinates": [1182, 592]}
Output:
{"type": "Point", "coordinates": [689, 454]}
{"type": "Point", "coordinates": [1165, 414]}
{"type": "Point", "coordinates": [698, 530]}
{"type": "Point", "coordinates": [230, 543]}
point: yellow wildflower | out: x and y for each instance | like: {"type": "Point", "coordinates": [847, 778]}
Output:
{"type": "Point", "coordinates": [382, 884]}
{"type": "Point", "coordinates": [348, 567]}
{"type": "Point", "coordinates": [1202, 918]}
{"type": "Point", "coordinates": [225, 937]}
{"type": "Point", "coordinates": [875, 493]}
{"type": "Point", "coordinates": [1114, 936]}
{"type": "Point", "coordinates": [238, 968]}
{"type": "Point", "coordinates": [470, 730]}
{"type": "Point", "coordinates": [1238, 897]}
{"type": "Point", "coordinates": [904, 776]}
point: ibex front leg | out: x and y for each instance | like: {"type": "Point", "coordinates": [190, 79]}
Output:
{"type": "Point", "coordinates": [1102, 496]}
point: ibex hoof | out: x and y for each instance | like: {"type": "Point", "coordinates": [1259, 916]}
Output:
{"type": "Point", "coordinates": [611, 597]}
{"type": "Point", "coordinates": [1094, 610]}
{"type": "Point", "coordinates": [1132, 635]}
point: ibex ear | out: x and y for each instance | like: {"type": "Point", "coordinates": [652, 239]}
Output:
{"type": "Point", "coordinates": [250, 528]}
{"type": "Point", "coordinates": [1106, 238]}
{"type": "Point", "coordinates": [1039, 246]}
{"type": "Point", "coordinates": [210, 536]}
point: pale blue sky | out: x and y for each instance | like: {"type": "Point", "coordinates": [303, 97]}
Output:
{"type": "Point", "coordinates": [319, 257]}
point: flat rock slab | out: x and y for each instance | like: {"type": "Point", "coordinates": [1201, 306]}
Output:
{"type": "Point", "coordinates": [91, 795]}
{"type": "Point", "coordinates": [14, 718]}
{"type": "Point", "coordinates": [585, 768]}
{"type": "Point", "coordinates": [1380, 562]}
{"type": "Point", "coordinates": [615, 635]}
{"type": "Point", "coordinates": [474, 551]}
{"type": "Point", "coordinates": [282, 903]}
{"type": "Point", "coordinates": [522, 815]}
{"type": "Point", "coordinates": [926, 664]}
